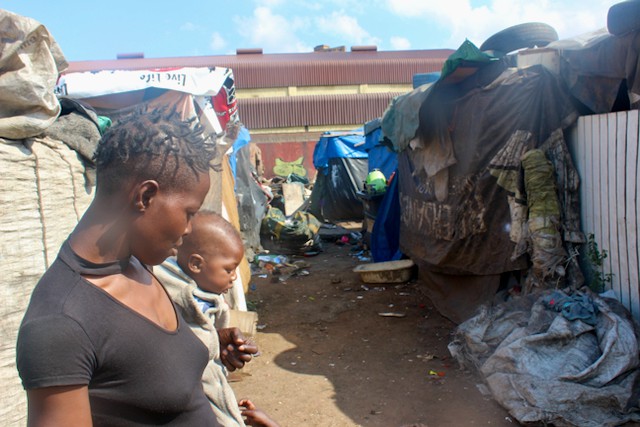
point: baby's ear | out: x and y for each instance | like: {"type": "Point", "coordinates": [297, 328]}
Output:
{"type": "Point", "coordinates": [195, 263]}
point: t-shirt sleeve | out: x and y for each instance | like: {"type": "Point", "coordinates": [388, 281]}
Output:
{"type": "Point", "coordinates": [54, 351]}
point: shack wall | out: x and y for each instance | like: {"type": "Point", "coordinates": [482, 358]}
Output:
{"type": "Point", "coordinates": [605, 150]}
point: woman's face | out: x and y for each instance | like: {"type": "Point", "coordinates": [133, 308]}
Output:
{"type": "Point", "coordinates": [167, 218]}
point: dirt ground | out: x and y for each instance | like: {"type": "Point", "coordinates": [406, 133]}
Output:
{"type": "Point", "coordinates": [329, 358]}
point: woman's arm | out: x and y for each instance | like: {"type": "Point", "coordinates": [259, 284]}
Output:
{"type": "Point", "coordinates": [59, 407]}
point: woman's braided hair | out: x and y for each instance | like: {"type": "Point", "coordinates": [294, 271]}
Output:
{"type": "Point", "coordinates": [153, 144]}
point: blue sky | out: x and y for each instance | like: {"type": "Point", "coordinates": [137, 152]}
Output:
{"type": "Point", "coordinates": [100, 30]}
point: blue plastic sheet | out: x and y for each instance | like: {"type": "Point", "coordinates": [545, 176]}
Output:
{"type": "Point", "coordinates": [380, 156]}
{"type": "Point", "coordinates": [243, 139]}
{"type": "Point", "coordinates": [338, 146]}
{"type": "Point", "coordinates": [385, 237]}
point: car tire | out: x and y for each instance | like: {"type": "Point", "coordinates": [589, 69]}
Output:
{"type": "Point", "coordinates": [520, 36]}
{"type": "Point", "coordinates": [623, 17]}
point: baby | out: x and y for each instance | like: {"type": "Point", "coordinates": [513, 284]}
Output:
{"type": "Point", "coordinates": [196, 279]}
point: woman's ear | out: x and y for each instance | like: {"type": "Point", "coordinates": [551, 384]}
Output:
{"type": "Point", "coordinates": [144, 194]}
{"type": "Point", "coordinates": [195, 263]}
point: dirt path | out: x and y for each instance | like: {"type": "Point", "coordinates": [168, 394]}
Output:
{"type": "Point", "coordinates": [329, 359]}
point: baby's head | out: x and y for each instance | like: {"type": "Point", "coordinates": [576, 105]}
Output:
{"type": "Point", "coordinates": [211, 253]}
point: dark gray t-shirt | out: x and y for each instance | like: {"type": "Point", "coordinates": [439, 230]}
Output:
{"type": "Point", "coordinates": [138, 373]}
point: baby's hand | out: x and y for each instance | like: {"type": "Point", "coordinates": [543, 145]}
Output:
{"type": "Point", "coordinates": [253, 416]}
{"type": "Point", "coordinates": [235, 351]}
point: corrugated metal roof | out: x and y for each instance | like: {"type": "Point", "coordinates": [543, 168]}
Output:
{"type": "Point", "coordinates": [299, 69]}
{"type": "Point", "coordinates": [317, 110]}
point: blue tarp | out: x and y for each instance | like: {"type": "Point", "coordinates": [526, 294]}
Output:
{"type": "Point", "coordinates": [339, 145]}
{"type": "Point", "coordinates": [380, 156]}
{"type": "Point", "coordinates": [385, 237]}
{"type": "Point", "coordinates": [243, 139]}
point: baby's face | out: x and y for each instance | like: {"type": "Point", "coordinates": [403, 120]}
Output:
{"type": "Point", "coordinates": [219, 272]}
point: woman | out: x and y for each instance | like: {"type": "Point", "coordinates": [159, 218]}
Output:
{"type": "Point", "coordinates": [101, 343]}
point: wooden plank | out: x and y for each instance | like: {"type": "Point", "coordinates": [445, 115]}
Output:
{"type": "Point", "coordinates": [293, 195]}
{"type": "Point", "coordinates": [620, 203]}
{"type": "Point", "coordinates": [631, 210]}
{"type": "Point", "coordinates": [611, 193]}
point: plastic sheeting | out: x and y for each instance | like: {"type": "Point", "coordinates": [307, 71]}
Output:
{"type": "Point", "coordinates": [335, 194]}
{"type": "Point", "coordinates": [342, 164]}
{"type": "Point", "coordinates": [347, 145]}
{"type": "Point", "coordinates": [469, 231]}
{"type": "Point", "coordinates": [385, 237]}
{"type": "Point", "coordinates": [251, 200]}
{"type": "Point", "coordinates": [545, 368]}
{"type": "Point", "coordinates": [380, 156]}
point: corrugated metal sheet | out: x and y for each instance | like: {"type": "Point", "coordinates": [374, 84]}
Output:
{"type": "Point", "coordinates": [328, 73]}
{"type": "Point", "coordinates": [318, 110]}
{"type": "Point", "coordinates": [605, 152]}
{"type": "Point", "coordinates": [301, 69]}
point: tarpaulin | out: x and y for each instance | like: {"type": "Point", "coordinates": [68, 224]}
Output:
{"type": "Point", "coordinates": [385, 237]}
{"type": "Point", "coordinates": [243, 138]}
{"type": "Point", "coordinates": [338, 145]}
{"type": "Point", "coordinates": [381, 157]}
{"type": "Point", "coordinates": [469, 231]}
{"type": "Point", "coordinates": [597, 65]}
{"type": "Point", "coordinates": [251, 200]}
{"type": "Point", "coordinates": [341, 161]}
{"type": "Point", "coordinates": [335, 193]}
{"type": "Point", "coordinates": [576, 367]}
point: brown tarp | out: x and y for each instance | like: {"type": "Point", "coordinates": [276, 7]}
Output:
{"type": "Point", "coordinates": [596, 66]}
{"type": "Point", "coordinates": [469, 231]}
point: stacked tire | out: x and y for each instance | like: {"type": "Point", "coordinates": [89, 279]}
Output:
{"type": "Point", "coordinates": [624, 17]}
{"type": "Point", "coordinates": [527, 35]}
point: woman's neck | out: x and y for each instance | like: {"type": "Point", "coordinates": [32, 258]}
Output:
{"type": "Point", "coordinates": [102, 233]}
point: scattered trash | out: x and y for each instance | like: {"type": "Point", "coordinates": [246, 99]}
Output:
{"type": "Point", "coordinates": [263, 276]}
{"type": "Point", "coordinates": [271, 259]}
{"type": "Point", "coordinates": [438, 374]}
{"type": "Point", "coordinates": [426, 357]}
{"type": "Point", "coordinates": [392, 314]}
{"type": "Point", "coordinates": [261, 327]}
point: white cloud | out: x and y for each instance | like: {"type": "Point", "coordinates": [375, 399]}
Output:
{"type": "Point", "coordinates": [217, 42]}
{"type": "Point", "coordinates": [346, 28]}
{"type": "Point", "coordinates": [400, 43]}
{"type": "Point", "coordinates": [462, 19]}
{"type": "Point", "coordinates": [272, 32]}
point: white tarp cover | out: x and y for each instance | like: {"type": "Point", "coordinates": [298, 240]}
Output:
{"type": "Point", "coordinates": [194, 81]}
{"type": "Point", "coordinates": [546, 369]}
